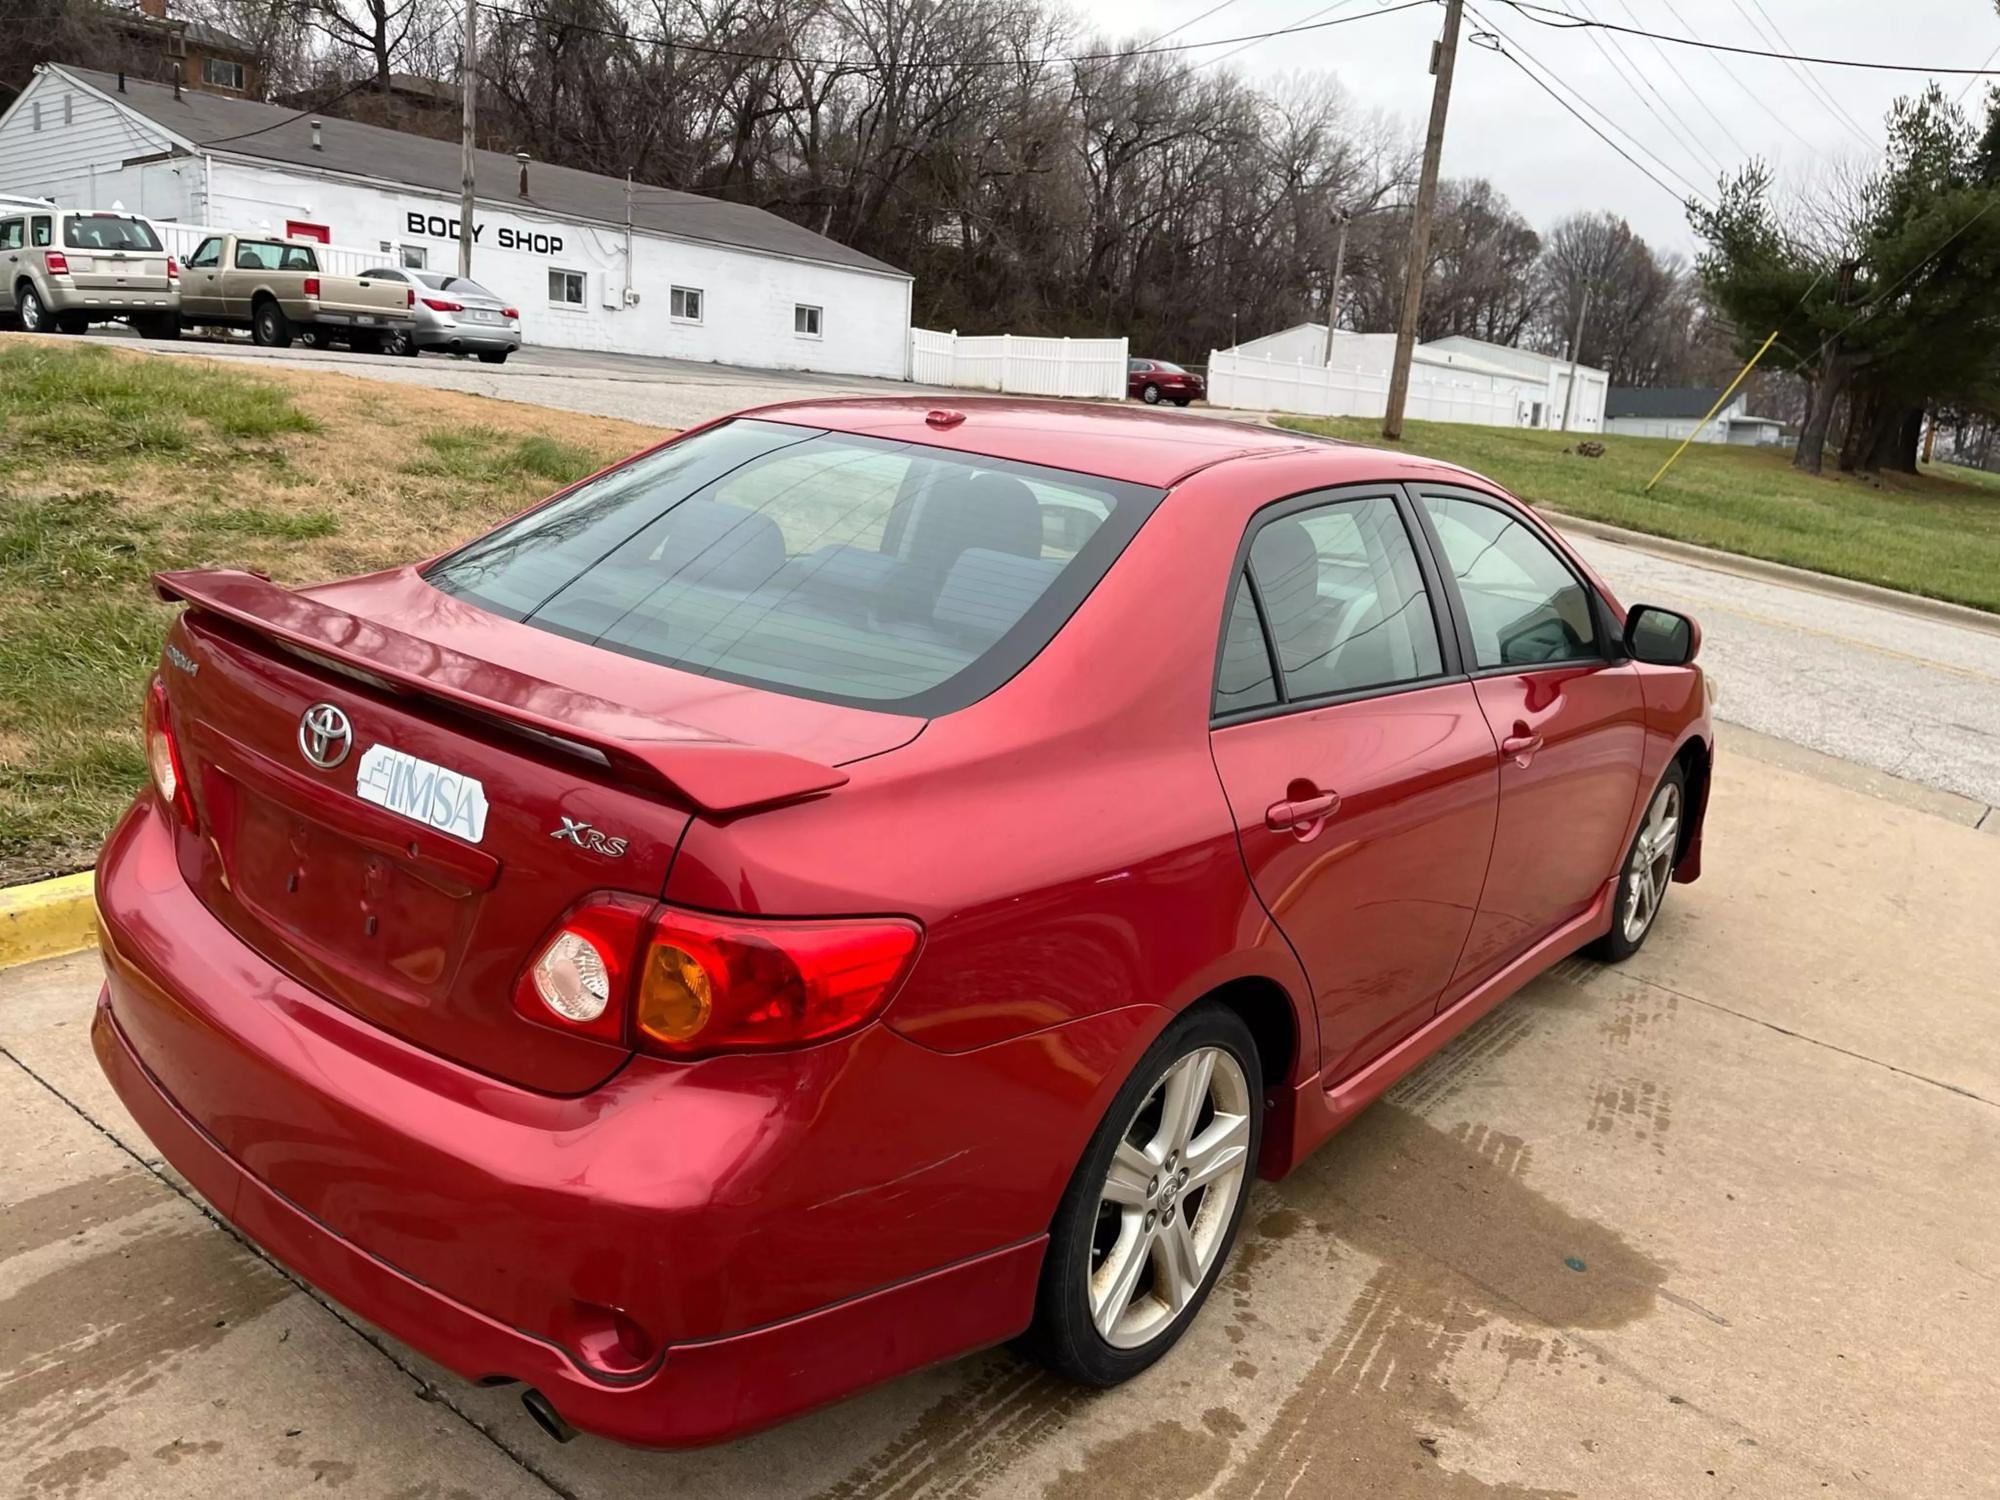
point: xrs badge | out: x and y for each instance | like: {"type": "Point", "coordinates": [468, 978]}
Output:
{"type": "Point", "coordinates": [584, 836]}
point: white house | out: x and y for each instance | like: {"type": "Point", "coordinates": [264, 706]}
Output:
{"type": "Point", "coordinates": [590, 262]}
{"type": "Point", "coordinates": [1451, 380]}
{"type": "Point", "coordinates": [1672, 412]}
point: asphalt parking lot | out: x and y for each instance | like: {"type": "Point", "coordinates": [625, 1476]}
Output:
{"type": "Point", "coordinates": [1717, 1222]}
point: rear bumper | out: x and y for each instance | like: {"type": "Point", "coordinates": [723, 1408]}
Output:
{"type": "Point", "coordinates": [111, 302]}
{"type": "Point", "coordinates": [469, 340]}
{"type": "Point", "coordinates": [694, 1393]}
{"type": "Point", "coordinates": [777, 1230]}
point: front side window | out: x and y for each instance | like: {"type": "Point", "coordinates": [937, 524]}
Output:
{"type": "Point", "coordinates": [805, 321]}
{"type": "Point", "coordinates": [207, 253]}
{"type": "Point", "coordinates": [1526, 608]}
{"type": "Point", "coordinates": [108, 232]}
{"type": "Point", "coordinates": [11, 237]}
{"type": "Point", "coordinates": [854, 570]}
{"type": "Point", "coordinates": [566, 288]}
{"type": "Point", "coordinates": [1343, 599]}
{"type": "Point", "coordinates": [684, 303]}
{"type": "Point", "coordinates": [265, 255]}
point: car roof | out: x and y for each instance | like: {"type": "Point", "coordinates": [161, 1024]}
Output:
{"type": "Point", "coordinates": [1140, 446]}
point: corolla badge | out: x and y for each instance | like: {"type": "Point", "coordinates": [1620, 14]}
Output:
{"type": "Point", "coordinates": [325, 736]}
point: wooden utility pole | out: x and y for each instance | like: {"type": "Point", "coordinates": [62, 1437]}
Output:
{"type": "Point", "coordinates": [1575, 353]}
{"type": "Point", "coordinates": [468, 94]}
{"type": "Point", "coordinates": [1444, 55]}
{"type": "Point", "coordinates": [1341, 219]}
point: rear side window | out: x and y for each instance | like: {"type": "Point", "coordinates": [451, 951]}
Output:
{"type": "Point", "coordinates": [108, 232]}
{"type": "Point", "coordinates": [856, 570]}
{"type": "Point", "coordinates": [1343, 599]}
{"type": "Point", "coordinates": [1243, 678]}
{"type": "Point", "coordinates": [1525, 606]}
{"type": "Point", "coordinates": [10, 234]}
{"type": "Point", "coordinates": [260, 255]}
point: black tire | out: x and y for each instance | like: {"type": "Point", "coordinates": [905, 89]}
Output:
{"type": "Point", "coordinates": [165, 326]}
{"type": "Point", "coordinates": [1182, 400]}
{"type": "Point", "coordinates": [1064, 1336]}
{"type": "Point", "coordinates": [399, 343]}
{"type": "Point", "coordinates": [1620, 943]}
{"type": "Point", "coordinates": [1150, 394]}
{"type": "Point", "coordinates": [494, 357]}
{"type": "Point", "coordinates": [29, 308]}
{"type": "Point", "coordinates": [365, 343]}
{"type": "Point", "coordinates": [269, 327]}
{"type": "Point", "coordinates": [72, 324]}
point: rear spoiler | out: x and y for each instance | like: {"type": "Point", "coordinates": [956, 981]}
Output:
{"type": "Point", "coordinates": [714, 774]}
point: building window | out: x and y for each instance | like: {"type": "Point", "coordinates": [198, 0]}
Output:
{"type": "Point", "coordinates": [685, 304]}
{"type": "Point", "coordinates": [805, 321]}
{"type": "Point", "coordinates": [221, 73]}
{"type": "Point", "coordinates": [413, 258]}
{"type": "Point", "coordinates": [566, 288]}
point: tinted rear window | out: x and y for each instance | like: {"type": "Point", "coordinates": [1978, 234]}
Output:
{"type": "Point", "coordinates": [108, 232]}
{"type": "Point", "coordinates": [856, 570]}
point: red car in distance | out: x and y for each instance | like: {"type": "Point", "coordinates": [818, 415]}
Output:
{"type": "Point", "coordinates": [1155, 380]}
{"type": "Point", "coordinates": [856, 883]}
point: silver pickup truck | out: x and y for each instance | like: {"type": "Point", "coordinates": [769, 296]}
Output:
{"type": "Point", "coordinates": [276, 288]}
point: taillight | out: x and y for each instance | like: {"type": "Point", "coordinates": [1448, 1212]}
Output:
{"type": "Point", "coordinates": [510, 312]}
{"type": "Point", "coordinates": [163, 755]}
{"type": "Point", "coordinates": [686, 984]}
{"type": "Point", "coordinates": [438, 304]}
{"type": "Point", "coordinates": [58, 263]}
{"type": "Point", "coordinates": [310, 286]}
{"type": "Point", "coordinates": [173, 269]}
{"type": "Point", "coordinates": [409, 296]}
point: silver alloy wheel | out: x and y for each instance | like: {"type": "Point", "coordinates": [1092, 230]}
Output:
{"type": "Point", "coordinates": [1169, 1197]}
{"type": "Point", "coordinates": [1652, 863]}
{"type": "Point", "coordinates": [33, 315]}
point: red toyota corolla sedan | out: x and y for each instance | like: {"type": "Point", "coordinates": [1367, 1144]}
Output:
{"type": "Point", "coordinates": [858, 883]}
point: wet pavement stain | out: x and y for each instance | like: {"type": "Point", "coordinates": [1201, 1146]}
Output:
{"type": "Point", "coordinates": [968, 1439]}
{"type": "Point", "coordinates": [1164, 1461]}
{"type": "Point", "coordinates": [76, 1207]}
{"type": "Point", "coordinates": [1636, 1108]}
{"type": "Point", "coordinates": [77, 1472]}
{"type": "Point", "coordinates": [1462, 1241]}
{"type": "Point", "coordinates": [73, 1350]}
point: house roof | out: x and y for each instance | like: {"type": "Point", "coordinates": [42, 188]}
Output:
{"type": "Point", "coordinates": [284, 137]}
{"type": "Point", "coordinates": [1661, 401]}
{"type": "Point", "coordinates": [199, 33]}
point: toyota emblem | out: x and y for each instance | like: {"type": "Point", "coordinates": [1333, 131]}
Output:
{"type": "Point", "coordinates": [325, 736]}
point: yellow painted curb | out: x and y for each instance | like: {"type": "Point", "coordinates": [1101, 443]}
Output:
{"type": "Point", "coordinates": [47, 918]}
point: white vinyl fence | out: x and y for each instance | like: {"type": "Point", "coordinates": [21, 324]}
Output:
{"type": "Point", "coordinates": [1019, 366]}
{"type": "Point", "coordinates": [335, 260]}
{"type": "Point", "coordinates": [1437, 394]}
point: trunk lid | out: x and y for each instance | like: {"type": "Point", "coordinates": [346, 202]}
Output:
{"type": "Point", "coordinates": [413, 879]}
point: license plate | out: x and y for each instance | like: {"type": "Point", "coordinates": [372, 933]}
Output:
{"type": "Point", "coordinates": [479, 315]}
{"type": "Point", "coordinates": [364, 317]}
{"type": "Point", "coordinates": [422, 791]}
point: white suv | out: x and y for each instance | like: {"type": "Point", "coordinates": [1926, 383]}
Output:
{"type": "Point", "coordinates": [66, 268]}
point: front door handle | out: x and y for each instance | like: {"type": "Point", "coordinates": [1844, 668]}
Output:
{"type": "Point", "coordinates": [1300, 813]}
{"type": "Point", "coordinates": [1521, 745]}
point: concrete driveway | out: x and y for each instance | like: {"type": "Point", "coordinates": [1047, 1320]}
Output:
{"type": "Point", "coordinates": [1719, 1222]}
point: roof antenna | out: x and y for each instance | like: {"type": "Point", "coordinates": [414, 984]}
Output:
{"type": "Point", "coordinates": [177, 80]}
{"type": "Point", "coordinates": [522, 158]}
{"type": "Point", "coordinates": [315, 130]}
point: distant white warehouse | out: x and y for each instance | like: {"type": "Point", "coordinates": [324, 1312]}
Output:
{"type": "Point", "coordinates": [1451, 380]}
{"type": "Point", "coordinates": [1675, 411]}
{"type": "Point", "coordinates": [590, 267]}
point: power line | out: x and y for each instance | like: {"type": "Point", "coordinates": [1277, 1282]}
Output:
{"type": "Point", "coordinates": [1971, 81]}
{"type": "Point", "coordinates": [1693, 92]}
{"type": "Point", "coordinates": [1247, 46]}
{"type": "Point", "coordinates": [1688, 136]}
{"type": "Point", "coordinates": [1815, 90]}
{"type": "Point", "coordinates": [1736, 78]}
{"type": "Point", "coordinates": [1499, 41]}
{"type": "Point", "coordinates": [1567, 22]}
{"type": "Point", "coordinates": [1633, 78]}
{"type": "Point", "coordinates": [1219, 6]}
{"type": "Point", "coordinates": [709, 49]}
{"type": "Point", "coordinates": [320, 108]}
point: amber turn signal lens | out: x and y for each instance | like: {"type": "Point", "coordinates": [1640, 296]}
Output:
{"type": "Point", "coordinates": [675, 998]}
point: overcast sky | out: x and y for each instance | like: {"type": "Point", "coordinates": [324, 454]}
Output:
{"type": "Point", "coordinates": [1504, 128]}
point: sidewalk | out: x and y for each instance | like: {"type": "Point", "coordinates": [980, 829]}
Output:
{"type": "Point", "coordinates": [1716, 1222]}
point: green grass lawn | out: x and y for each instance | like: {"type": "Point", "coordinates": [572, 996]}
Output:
{"type": "Point", "coordinates": [115, 465]}
{"type": "Point", "coordinates": [1936, 534]}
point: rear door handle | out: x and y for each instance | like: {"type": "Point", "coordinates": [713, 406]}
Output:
{"type": "Point", "coordinates": [1289, 817]}
{"type": "Point", "coordinates": [1521, 746]}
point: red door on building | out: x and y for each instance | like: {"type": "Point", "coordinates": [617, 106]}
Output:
{"type": "Point", "coordinates": [299, 229]}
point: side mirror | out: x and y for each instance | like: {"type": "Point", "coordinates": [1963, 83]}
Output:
{"type": "Point", "coordinates": [1660, 637]}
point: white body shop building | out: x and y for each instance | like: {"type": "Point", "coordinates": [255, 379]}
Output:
{"type": "Point", "coordinates": [687, 277]}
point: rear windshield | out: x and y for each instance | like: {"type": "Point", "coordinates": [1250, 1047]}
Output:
{"type": "Point", "coordinates": [109, 232]}
{"type": "Point", "coordinates": [855, 570]}
{"type": "Point", "coordinates": [437, 281]}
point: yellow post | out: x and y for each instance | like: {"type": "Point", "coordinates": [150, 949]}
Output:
{"type": "Point", "coordinates": [1720, 403]}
